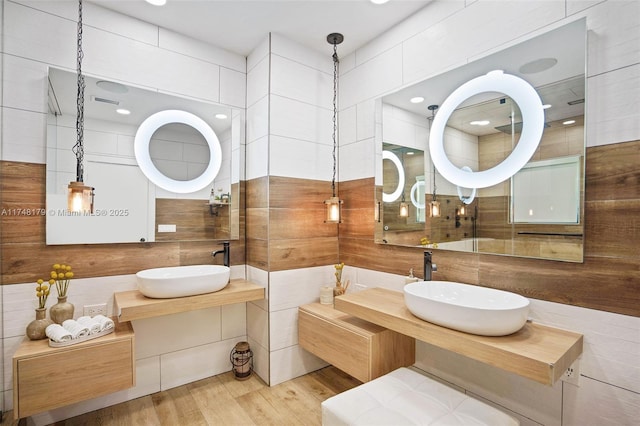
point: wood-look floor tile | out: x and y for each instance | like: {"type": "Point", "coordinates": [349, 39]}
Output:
{"type": "Point", "coordinates": [177, 407]}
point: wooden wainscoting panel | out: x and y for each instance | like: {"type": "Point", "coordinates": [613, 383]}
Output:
{"type": "Point", "coordinates": [293, 193]}
{"type": "Point", "coordinates": [358, 194]}
{"type": "Point", "coordinates": [192, 219]}
{"type": "Point", "coordinates": [613, 228]}
{"type": "Point", "coordinates": [27, 262]}
{"type": "Point", "coordinates": [258, 253]}
{"type": "Point", "coordinates": [258, 222]}
{"type": "Point", "coordinates": [302, 253]}
{"type": "Point", "coordinates": [299, 224]}
{"type": "Point", "coordinates": [257, 194]}
{"type": "Point", "coordinates": [358, 223]}
{"type": "Point", "coordinates": [612, 172]}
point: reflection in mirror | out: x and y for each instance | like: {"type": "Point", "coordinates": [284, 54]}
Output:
{"type": "Point", "coordinates": [480, 134]}
{"type": "Point", "coordinates": [128, 207]}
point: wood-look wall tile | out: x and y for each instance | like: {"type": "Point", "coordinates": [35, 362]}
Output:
{"type": "Point", "coordinates": [613, 228]}
{"type": "Point", "coordinates": [358, 223]}
{"type": "Point", "coordinates": [299, 224]}
{"type": "Point", "coordinates": [292, 193]}
{"type": "Point", "coordinates": [357, 194]}
{"type": "Point", "coordinates": [302, 253]}
{"type": "Point", "coordinates": [257, 253]}
{"type": "Point", "coordinates": [612, 172]}
{"type": "Point", "coordinates": [257, 223]}
{"type": "Point", "coordinates": [257, 193]}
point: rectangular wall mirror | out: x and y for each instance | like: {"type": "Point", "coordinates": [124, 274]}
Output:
{"type": "Point", "coordinates": [539, 211]}
{"type": "Point", "coordinates": [128, 207]}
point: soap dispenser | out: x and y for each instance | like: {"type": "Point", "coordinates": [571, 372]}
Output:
{"type": "Point", "coordinates": [410, 278]}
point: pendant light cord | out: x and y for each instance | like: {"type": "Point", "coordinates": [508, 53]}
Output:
{"type": "Point", "coordinates": [336, 61]}
{"type": "Point", "coordinates": [78, 148]}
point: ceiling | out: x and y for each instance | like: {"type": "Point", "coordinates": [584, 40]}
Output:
{"type": "Point", "coordinates": [240, 25]}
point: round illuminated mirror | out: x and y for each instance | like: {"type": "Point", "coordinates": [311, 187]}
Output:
{"type": "Point", "coordinates": [142, 149]}
{"type": "Point", "coordinates": [391, 197]}
{"type": "Point", "coordinates": [527, 99]}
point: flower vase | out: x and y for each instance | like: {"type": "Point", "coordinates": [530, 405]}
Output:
{"type": "Point", "coordinates": [61, 311]}
{"type": "Point", "coordinates": [36, 328]}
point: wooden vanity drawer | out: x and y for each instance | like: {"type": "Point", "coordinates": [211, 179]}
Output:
{"type": "Point", "coordinates": [357, 347]}
{"type": "Point", "coordinates": [45, 378]}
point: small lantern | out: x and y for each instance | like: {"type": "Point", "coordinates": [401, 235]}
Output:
{"type": "Point", "coordinates": [242, 360]}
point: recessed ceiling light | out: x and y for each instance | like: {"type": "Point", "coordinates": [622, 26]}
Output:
{"type": "Point", "coordinates": [546, 106]}
{"type": "Point", "coordinates": [538, 65]}
{"type": "Point", "coordinates": [157, 2]}
{"type": "Point", "coordinates": [416, 100]}
{"type": "Point", "coordinates": [410, 153]}
{"type": "Point", "coordinates": [566, 123]}
{"type": "Point", "coordinates": [112, 87]}
{"type": "Point", "coordinates": [379, 1]}
{"type": "Point", "coordinates": [123, 111]}
{"type": "Point", "coordinates": [479, 122]}
{"type": "Point", "coordinates": [221, 116]}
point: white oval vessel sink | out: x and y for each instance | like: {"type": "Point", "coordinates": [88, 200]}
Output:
{"type": "Point", "coordinates": [469, 308]}
{"type": "Point", "coordinates": [180, 281]}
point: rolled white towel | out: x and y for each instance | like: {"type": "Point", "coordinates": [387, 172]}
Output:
{"type": "Point", "coordinates": [105, 323]}
{"type": "Point", "coordinates": [93, 325]}
{"type": "Point", "coordinates": [58, 333]}
{"type": "Point", "coordinates": [76, 329]}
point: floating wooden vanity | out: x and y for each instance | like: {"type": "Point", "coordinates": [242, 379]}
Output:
{"type": "Point", "coordinates": [45, 378]}
{"type": "Point", "coordinates": [536, 352]}
{"type": "Point", "coordinates": [355, 346]}
{"type": "Point", "coordinates": [133, 305]}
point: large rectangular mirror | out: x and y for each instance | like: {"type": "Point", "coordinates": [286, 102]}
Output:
{"type": "Point", "coordinates": [128, 207]}
{"type": "Point", "coordinates": [536, 213]}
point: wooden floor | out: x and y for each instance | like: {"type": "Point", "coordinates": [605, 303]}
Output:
{"type": "Point", "coordinates": [222, 400]}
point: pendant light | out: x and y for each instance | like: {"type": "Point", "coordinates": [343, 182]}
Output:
{"type": "Point", "coordinates": [434, 204]}
{"type": "Point", "coordinates": [333, 205]}
{"type": "Point", "coordinates": [80, 196]}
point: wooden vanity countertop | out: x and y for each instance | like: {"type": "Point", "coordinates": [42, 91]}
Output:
{"type": "Point", "coordinates": [537, 352]}
{"type": "Point", "coordinates": [133, 305]}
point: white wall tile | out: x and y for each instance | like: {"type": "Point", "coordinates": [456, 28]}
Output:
{"type": "Point", "coordinates": [234, 320]}
{"type": "Point", "coordinates": [613, 36]}
{"type": "Point", "coordinates": [619, 119]}
{"type": "Point", "coordinates": [347, 126]}
{"type": "Point", "coordinates": [292, 362]}
{"type": "Point", "coordinates": [596, 403]}
{"type": "Point", "coordinates": [291, 79]}
{"type": "Point", "coordinates": [191, 47]}
{"type": "Point", "coordinates": [233, 87]}
{"type": "Point", "coordinates": [283, 329]}
{"type": "Point", "coordinates": [299, 159]}
{"type": "Point", "coordinates": [188, 365]}
{"type": "Point", "coordinates": [294, 51]}
{"type": "Point", "coordinates": [258, 120]}
{"type": "Point", "coordinates": [23, 136]}
{"type": "Point", "coordinates": [299, 120]}
{"type": "Point", "coordinates": [375, 77]}
{"type": "Point", "coordinates": [258, 82]}
{"type": "Point", "coordinates": [257, 155]}
{"type": "Point", "coordinates": [260, 52]}
{"type": "Point", "coordinates": [357, 161]}
{"type": "Point", "coordinates": [24, 84]}
{"type": "Point", "coordinates": [295, 287]}
{"type": "Point", "coordinates": [187, 329]}
{"type": "Point", "coordinates": [258, 325]}
{"type": "Point", "coordinates": [366, 119]}
{"type": "Point", "coordinates": [260, 360]}
{"type": "Point", "coordinates": [259, 277]}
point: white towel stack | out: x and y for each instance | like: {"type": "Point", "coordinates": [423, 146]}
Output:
{"type": "Point", "coordinates": [75, 329]}
{"type": "Point", "coordinates": [58, 333]}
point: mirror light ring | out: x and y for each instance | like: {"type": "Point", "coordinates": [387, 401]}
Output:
{"type": "Point", "coordinates": [143, 156]}
{"type": "Point", "coordinates": [533, 123]}
{"type": "Point", "coordinates": [470, 198]}
{"type": "Point", "coordinates": [390, 198]}
{"type": "Point", "coordinates": [414, 198]}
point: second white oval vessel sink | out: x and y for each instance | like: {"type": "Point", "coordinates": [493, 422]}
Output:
{"type": "Point", "coordinates": [469, 308]}
{"type": "Point", "coordinates": [180, 281]}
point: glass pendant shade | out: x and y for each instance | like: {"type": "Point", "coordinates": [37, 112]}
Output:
{"type": "Point", "coordinates": [434, 208]}
{"type": "Point", "coordinates": [462, 210]}
{"type": "Point", "coordinates": [334, 210]}
{"type": "Point", "coordinates": [404, 209]}
{"type": "Point", "coordinates": [79, 197]}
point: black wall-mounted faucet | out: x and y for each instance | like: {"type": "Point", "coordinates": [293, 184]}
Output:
{"type": "Point", "coordinates": [429, 266]}
{"type": "Point", "coordinates": [225, 251]}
